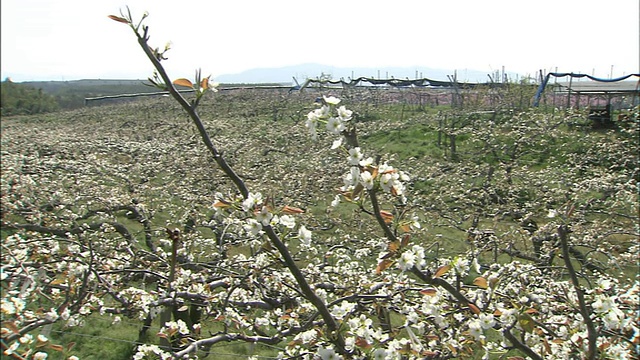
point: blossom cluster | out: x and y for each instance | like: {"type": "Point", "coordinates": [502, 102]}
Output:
{"type": "Point", "coordinates": [364, 172]}
{"type": "Point", "coordinates": [335, 118]}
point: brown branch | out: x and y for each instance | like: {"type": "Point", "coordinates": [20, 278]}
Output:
{"type": "Point", "coordinates": [193, 114]}
{"type": "Point", "coordinates": [376, 211]}
{"type": "Point", "coordinates": [207, 343]}
{"type": "Point", "coordinates": [519, 345]}
{"type": "Point", "coordinates": [592, 335]}
{"type": "Point", "coordinates": [32, 326]}
{"type": "Point", "coordinates": [428, 279]}
{"type": "Point", "coordinates": [322, 308]}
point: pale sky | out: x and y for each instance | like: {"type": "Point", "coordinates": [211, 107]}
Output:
{"type": "Point", "coordinates": [74, 39]}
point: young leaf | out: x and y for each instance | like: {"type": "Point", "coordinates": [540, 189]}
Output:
{"type": "Point", "coordinates": [183, 82]}
{"type": "Point", "coordinates": [393, 246]}
{"type": "Point", "coordinates": [430, 354]}
{"type": "Point", "coordinates": [383, 265]}
{"type": "Point", "coordinates": [388, 255]}
{"type": "Point", "coordinates": [429, 291]}
{"type": "Point", "coordinates": [362, 343]}
{"type": "Point", "coordinates": [58, 281]}
{"type": "Point", "coordinates": [221, 204]}
{"type": "Point", "coordinates": [357, 190]}
{"type": "Point", "coordinates": [480, 282]}
{"type": "Point", "coordinates": [405, 240]}
{"type": "Point", "coordinates": [442, 270]}
{"type": "Point", "coordinates": [527, 323]}
{"type": "Point", "coordinates": [292, 210]}
{"type": "Point", "coordinates": [454, 351]}
{"type": "Point", "coordinates": [56, 347]}
{"type": "Point", "coordinates": [474, 309]}
{"type": "Point", "coordinates": [118, 19]}
{"type": "Point", "coordinates": [387, 216]}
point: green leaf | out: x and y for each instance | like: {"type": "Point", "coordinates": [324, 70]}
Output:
{"type": "Point", "coordinates": [526, 322]}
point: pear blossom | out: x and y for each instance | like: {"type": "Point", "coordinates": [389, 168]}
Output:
{"type": "Point", "coordinates": [335, 126]}
{"type": "Point", "coordinates": [603, 304]}
{"type": "Point", "coordinates": [508, 316]}
{"type": "Point", "coordinates": [305, 236]}
{"type": "Point", "coordinates": [388, 180]}
{"type": "Point", "coordinates": [252, 200]}
{"type": "Point", "coordinates": [407, 260]}
{"type": "Point", "coordinates": [178, 326]}
{"type": "Point", "coordinates": [253, 227]}
{"type": "Point", "coordinates": [12, 348]}
{"type": "Point", "coordinates": [487, 321]}
{"type": "Point", "coordinates": [354, 156]}
{"type": "Point", "coordinates": [287, 221]}
{"type": "Point", "coordinates": [7, 307]}
{"type": "Point", "coordinates": [366, 179]}
{"type": "Point", "coordinates": [342, 310]}
{"type": "Point", "coordinates": [331, 100]}
{"type": "Point", "coordinates": [366, 162]}
{"type": "Point", "coordinates": [475, 329]}
{"type": "Point", "coordinates": [612, 320]}
{"type": "Point", "coordinates": [311, 125]}
{"type": "Point", "coordinates": [380, 354]}
{"type": "Point", "coordinates": [40, 355]}
{"type": "Point", "coordinates": [350, 179]}
{"type": "Point", "coordinates": [307, 336]}
{"type": "Point", "coordinates": [335, 201]}
{"type": "Point", "coordinates": [328, 354]}
{"type": "Point", "coordinates": [604, 283]}
{"type": "Point", "coordinates": [51, 315]}
{"type": "Point", "coordinates": [461, 266]}
{"type": "Point", "coordinates": [264, 216]}
{"type": "Point", "coordinates": [344, 114]}
{"type": "Point", "coordinates": [26, 339]}
{"type": "Point", "coordinates": [420, 260]}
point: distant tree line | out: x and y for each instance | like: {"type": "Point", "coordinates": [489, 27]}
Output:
{"type": "Point", "coordinates": [45, 96]}
{"type": "Point", "coordinates": [21, 99]}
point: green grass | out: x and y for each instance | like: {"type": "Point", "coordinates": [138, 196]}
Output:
{"type": "Point", "coordinates": [91, 341]}
{"type": "Point", "coordinates": [417, 141]}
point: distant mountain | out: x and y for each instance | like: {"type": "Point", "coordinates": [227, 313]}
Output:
{"type": "Point", "coordinates": [304, 71]}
